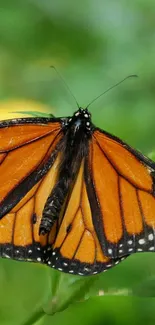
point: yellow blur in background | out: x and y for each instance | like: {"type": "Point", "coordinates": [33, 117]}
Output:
{"type": "Point", "coordinates": [12, 108]}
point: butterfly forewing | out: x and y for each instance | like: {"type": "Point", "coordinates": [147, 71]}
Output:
{"type": "Point", "coordinates": [25, 158]}
{"type": "Point", "coordinates": [124, 185]}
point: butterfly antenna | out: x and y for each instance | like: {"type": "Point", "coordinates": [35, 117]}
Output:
{"type": "Point", "coordinates": [118, 83]}
{"type": "Point", "coordinates": [64, 82]}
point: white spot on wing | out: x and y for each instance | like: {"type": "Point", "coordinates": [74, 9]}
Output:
{"type": "Point", "coordinates": [150, 237]}
{"type": "Point", "coordinates": [65, 264]}
{"type": "Point", "coordinates": [38, 259]}
{"type": "Point", "coordinates": [142, 241]}
{"type": "Point", "coordinates": [151, 248]}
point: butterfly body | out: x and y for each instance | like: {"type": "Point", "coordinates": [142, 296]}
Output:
{"type": "Point", "coordinates": [77, 132]}
{"type": "Point", "coordinates": [73, 196]}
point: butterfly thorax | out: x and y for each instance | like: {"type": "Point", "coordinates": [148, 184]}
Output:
{"type": "Point", "coordinates": [74, 147]}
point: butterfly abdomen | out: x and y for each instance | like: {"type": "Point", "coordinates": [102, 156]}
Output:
{"type": "Point", "coordinates": [53, 205]}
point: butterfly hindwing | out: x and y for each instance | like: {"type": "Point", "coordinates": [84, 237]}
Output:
{"type": "Point", "coordinates": [19, 229]}
{"type": "Point", "coordinates": [76, 249]}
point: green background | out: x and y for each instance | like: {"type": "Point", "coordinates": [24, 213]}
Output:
{"type": "Point", "coordinates": [93, 44]}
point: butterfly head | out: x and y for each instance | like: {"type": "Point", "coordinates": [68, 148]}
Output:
{"type": "Point", "coordinates": [81, 120]}
{"type": "Point", "coordinates": [83, 113]}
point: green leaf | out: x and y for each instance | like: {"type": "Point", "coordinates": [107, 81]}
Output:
{"type": "Point", "coordinates": [67, 289]}
{"type": "Point", "coordinates": [35, 114]}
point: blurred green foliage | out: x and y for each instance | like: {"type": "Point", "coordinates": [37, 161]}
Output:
{"type": "Point", "coordinates": [93, 44]}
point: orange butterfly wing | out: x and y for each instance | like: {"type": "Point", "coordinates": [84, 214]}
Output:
{"type": "Point", "coordinates": [19, 229]}
{"type": "Point", "coordinates": [123, 181]}
{"type": "Point", "coordinates": [76, 249]}
{"type": "Point", "coordinates": [27, 150]}
{"type": "Point", "coordinates": [28, 166]}
{"type": "Point", "coordinates": [109, 214]}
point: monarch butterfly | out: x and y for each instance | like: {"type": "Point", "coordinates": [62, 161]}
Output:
{"type": "Point", "coordinates": [73, 196]}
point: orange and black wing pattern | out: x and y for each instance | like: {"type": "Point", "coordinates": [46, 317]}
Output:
{"type": "Point", "coordinates": [108, 207]}
{"type": "Point", "coordinates": [29, 156]}
{"type": "Point", "coordinates": [110, 212]}
{"type": "Point", "coordinates": [76, 248]}
{"type": "Point", "coordinates": [123, 182]}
